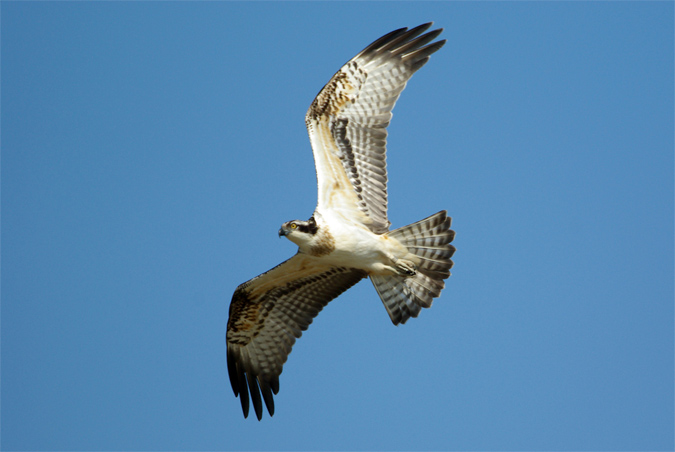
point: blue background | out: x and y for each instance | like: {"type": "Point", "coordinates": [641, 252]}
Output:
{"type": "Point", "coordinates": [150, 152]}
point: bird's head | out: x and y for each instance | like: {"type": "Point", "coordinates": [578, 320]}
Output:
{"type": "Point", "coordinates": [299, 232]}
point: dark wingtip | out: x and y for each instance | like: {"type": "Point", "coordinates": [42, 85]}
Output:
{"type": "Point", "coordinates": [232, 372]}
{"type": "Point", "coordinates": [267, 396]}
{"type": "Point", "coordinates": [244, 384]}
{"type": "Point", "coordinates": [243, 393]}
{"type": "Point", "coordinates": [255, 395]}
{"type": "Point", "coordinates": [396, 37]}
{"type": "Point", "coordinates": [380, 41]}
{"type": "Point", "coordinates": [418, 30]}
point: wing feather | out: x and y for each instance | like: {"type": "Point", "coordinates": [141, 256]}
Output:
{"type": "Point", "coordinates": [347, 123]}
{"type": "Point", "coordinates": [267, 315]}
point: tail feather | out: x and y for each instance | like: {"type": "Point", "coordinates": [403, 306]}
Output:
{"type": "Point", "coordinates": [397, 298]}
{"type": "Point", "coordinates": [429, 240]}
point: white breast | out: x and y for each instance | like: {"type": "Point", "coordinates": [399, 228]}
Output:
{"type": "Point", "coordinates": [357, 247]}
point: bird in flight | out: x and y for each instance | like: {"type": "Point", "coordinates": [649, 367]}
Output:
{"type": "Point", "coordinates": [347, 238]}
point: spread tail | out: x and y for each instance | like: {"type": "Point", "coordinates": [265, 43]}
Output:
{"type": "Point", "coordinates": [404, 296]}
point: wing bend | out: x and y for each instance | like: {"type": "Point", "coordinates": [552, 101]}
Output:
{"type": "Point", "coordinates": [267, 314]}
{"type": "Point", "coordinates": [347, 123]}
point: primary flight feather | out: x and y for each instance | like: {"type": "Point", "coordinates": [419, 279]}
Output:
{"type": "Point", "coordinates": [347, 238]}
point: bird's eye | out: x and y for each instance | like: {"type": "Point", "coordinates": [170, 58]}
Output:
{"type": "Point", "coordinates": [294, 226]}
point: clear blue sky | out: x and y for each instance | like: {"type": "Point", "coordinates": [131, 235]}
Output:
{"type": "Point", "coordinates": [150, 152]}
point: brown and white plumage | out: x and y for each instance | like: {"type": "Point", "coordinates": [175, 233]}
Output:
{"type": "Point", "coordinates": [347, 238]}
{"type": "Point", "coordinates": [268, 313]}
{"type": "Point", "coordinates": [347, 123]}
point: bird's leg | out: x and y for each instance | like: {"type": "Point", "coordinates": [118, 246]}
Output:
{"type": "Point", "coordinates": [406, 267]}
{"type": "Point", "coordinates": [403, 267]}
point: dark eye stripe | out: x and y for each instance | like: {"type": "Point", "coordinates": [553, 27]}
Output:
{"type": "Point", "coordinates": [308, 227]}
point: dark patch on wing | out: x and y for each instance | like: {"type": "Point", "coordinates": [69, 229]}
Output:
{"type": "Point", "coordinates": [243, 314]}
{"type": "Point", "coordinates": [336, 94]}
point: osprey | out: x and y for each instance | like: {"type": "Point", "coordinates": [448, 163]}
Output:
{"type": "Point", "coordinates": [347, 238]}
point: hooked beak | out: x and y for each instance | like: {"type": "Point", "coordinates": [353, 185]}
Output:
{"type": "Point", "coordinates": [282, 232]}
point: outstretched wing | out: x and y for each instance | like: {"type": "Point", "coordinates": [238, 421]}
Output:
{"type": "Point", "coordinates": [347, 124]}
{"type": "Point", "coordinates": [268, 313]}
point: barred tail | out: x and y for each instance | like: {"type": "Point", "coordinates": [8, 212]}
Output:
{"type": "Point", "coordinates": [429, 240]}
